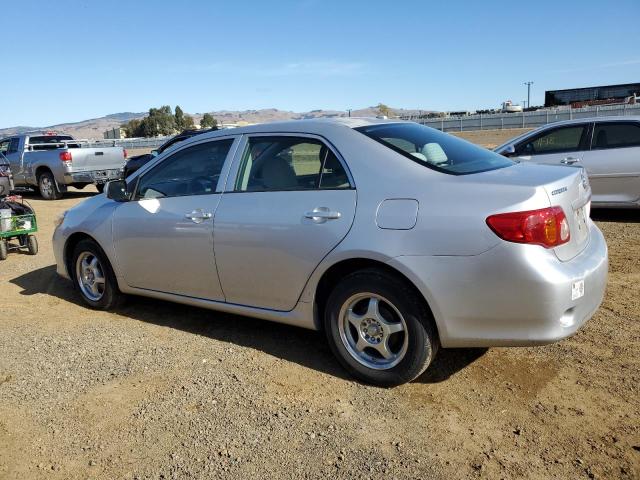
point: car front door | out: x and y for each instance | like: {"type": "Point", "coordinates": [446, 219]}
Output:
{"type": "Point", "coordinates": [563, 145]}
{"type": "Point", "coordinates": [613, 162]}
{"type": "Point", "coordinates": [289, 204]}
{"type": "Point", "coordinates": [163, 237]}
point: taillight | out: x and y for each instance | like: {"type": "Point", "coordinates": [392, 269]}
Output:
{"type": "Point", "coordinates": [65, 157]}
{"type": "Point", "coordinates": [547, 227]}
{"type": "Point", "coordinates": [124, 152]}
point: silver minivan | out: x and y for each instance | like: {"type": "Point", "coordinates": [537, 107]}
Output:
{"type": "Point", "coordinates": [608, 148]}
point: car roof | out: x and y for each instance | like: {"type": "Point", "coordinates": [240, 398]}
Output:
{"type": "Point", "coordinates": [315, 125]}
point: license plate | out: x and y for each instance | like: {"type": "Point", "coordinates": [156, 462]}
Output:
{"type": "Point", "coordinates": [577, 289]}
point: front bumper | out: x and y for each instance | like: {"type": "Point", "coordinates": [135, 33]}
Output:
{"type": "Point", "coordinates": [510, 295]}
{"type": "Point", "coordinates": [58, 243]}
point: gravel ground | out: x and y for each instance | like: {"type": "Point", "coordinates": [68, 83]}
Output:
{"type": "Point", "coordinates": [159, 390]}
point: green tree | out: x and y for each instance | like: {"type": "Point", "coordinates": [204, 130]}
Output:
{"type": "Point", "coordinates": [188, 123]}
{"type": "Point", "coordinates": [160, 121]}
{"type": "Point", "coordinates": [208, 121]}
{"type": "Point", "coordinates": [132, 128]}
{"type": "Point", "coordinates": [179, 118]}
{"type": "Point", "coordinates": [384, 110]}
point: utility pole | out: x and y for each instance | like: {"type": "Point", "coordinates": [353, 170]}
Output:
{"type": "Point", "coordinates": [528, 84]}
{"type": "Point", "coordinates": [349, 110]}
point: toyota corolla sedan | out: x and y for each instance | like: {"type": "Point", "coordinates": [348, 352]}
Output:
{"type": "Point", "coordinates": [393, 238]}
{"type": "Point", "coordinates": [608, 148]}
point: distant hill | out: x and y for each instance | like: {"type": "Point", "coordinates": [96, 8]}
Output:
{"type": "Point", "coordinates": [94, 127]}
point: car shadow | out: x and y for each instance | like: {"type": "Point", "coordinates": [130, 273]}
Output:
{"type": "Point", "coordinates": [618, 215]}
{"type": "Point", "coordinates": [304, 347]}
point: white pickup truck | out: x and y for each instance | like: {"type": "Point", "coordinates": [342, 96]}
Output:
{"type": "Point", "coordinates": [51, 163]}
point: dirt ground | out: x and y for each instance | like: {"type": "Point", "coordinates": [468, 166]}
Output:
{"type": "Point", "coordinates": [159, 390]}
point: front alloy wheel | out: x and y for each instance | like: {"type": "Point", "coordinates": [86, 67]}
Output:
{"type": "Point", "coordinates": [90, 276]}
{"type": "Point", "coordinates": [93, 276]}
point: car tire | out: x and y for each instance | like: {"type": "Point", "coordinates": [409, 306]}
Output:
{"type": "Point", "coordinates": [4, 249]}
{"type": "Point", "coordinates": [95, 281]}
{"type": "Point", "coordinates": [369, 309]}
{"type": "Point", "coordinates": [48, 187]}
{"type": "Point", "coordinates": [100, 187]}
{"type": "Point", "coordinates": [32, 245]}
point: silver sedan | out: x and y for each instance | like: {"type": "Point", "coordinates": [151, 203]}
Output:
{"type": "Point", "coordinates": [393, 238]}
{"type": "Point", "coordinates": [608, 148]}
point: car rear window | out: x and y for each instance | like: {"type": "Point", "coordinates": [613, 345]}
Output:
{"type": "Point", "coordinates": [51, 142]}
{"type": "Point", "coordinates": [435, 149]}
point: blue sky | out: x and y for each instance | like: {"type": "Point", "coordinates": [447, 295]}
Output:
{"type": "Point", "coordinates": [70, 60]}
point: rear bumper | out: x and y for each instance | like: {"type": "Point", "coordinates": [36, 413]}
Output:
{"type": "Point", "coordinates": [94, 176]}
{"type": "Point", "coordinates": [510, 295]}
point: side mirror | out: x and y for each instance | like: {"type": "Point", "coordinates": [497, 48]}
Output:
{"type": "Point", "coordinates": [117, 190]}
{"type": "Point", "coordinates": [508, 151]}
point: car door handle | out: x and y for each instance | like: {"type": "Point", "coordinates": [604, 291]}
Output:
{"type": "Point", "coordinates": [569, 160]}
{"type": "Point", "coordinates": [322, 214]}
{"type": "Point", "coordinates": [198, 216]}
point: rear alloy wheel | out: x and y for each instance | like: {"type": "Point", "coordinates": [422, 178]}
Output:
{"type": "Point", "coordinates": [94, 278]}
{"type": "Point", "coordinates": [379, 328]}
{"type": "Point", "coordinates": [48, 186]}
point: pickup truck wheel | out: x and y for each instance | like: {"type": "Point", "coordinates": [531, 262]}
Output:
{"type": "Point", "coordinates": [48, 186]}
{"type": "Point", "coordinates": [94, 278]}
{"type": "Point", "coordinates": [100, 187]}
{"type": "Point", "coordinates": [379, 329]}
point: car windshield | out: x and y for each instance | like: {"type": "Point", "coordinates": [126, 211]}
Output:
{"type": "Point", "coordinates": [435, 149]}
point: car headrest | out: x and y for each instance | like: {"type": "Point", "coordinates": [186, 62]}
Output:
{"type": "Point", "coordinates": [277, 174]}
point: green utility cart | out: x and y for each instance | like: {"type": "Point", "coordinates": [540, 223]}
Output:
{"type": "Point", "coordinates": [16, 233]}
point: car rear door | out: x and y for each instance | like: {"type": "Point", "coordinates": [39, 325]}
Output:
{"type": "Point", "coordinates": [289, 204]}
{"type": "Point", "coordinates": [562, 145]}
{"type": "Point", "coordinates": [163, 237]}
{"type": "Point", "coordinates": [613, 162]}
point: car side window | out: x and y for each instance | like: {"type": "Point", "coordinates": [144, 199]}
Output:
{"type": "Point", "coordinates": [615, 135]}
{"type": "Point", "coordinates": [277, 163]}
{"type": "Point", "coordinates": [565, 139]}
{"type": "Point", "coordinates": [192, 171]}
{"type": "Point", "coordinates": [4, 146]}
